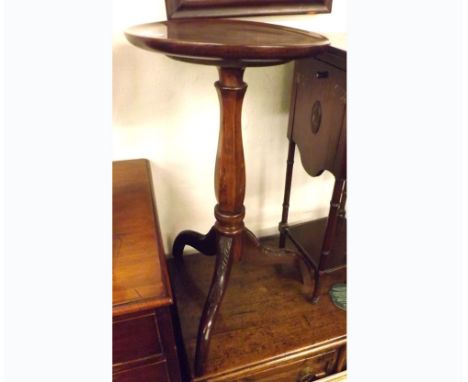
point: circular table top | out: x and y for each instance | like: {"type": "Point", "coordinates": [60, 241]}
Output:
{"type": "Point", "coordinates": [218, 41]}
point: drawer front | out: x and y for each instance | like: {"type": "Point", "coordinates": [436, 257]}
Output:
{"type": "Point", "coordinates": [305, 370]}
{"type": "Point", "coordinates": [156, 372]}
{"type": "Point", "coordinates": [319, 112]}
{"type": "Point", "coordinates": [134, 338]}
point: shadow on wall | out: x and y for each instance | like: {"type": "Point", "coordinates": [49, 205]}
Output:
{"type": "Point", "coordinates": [266, 115]}
{"type": "Point", "coordinates": [140, 77]}
{"type": "Point", "coordinates": [147, 84]}
{"type": "Point", "coordinates": [176, 209]}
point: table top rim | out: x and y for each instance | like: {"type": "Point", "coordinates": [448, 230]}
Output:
{"type": "Point", "coordinates": [230, 21]}
{"type": "Point", "coordinates": [239, 51]}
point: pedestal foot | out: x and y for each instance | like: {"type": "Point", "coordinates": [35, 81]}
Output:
{"type": "Point", "coordinates": [242, 245]}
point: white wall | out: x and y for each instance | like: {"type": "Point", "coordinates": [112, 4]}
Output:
{"type": "Point", "coordinates": [168, 112]}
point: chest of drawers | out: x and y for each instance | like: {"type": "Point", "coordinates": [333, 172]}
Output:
{"type": "Point", "coordinates": [144, 347]}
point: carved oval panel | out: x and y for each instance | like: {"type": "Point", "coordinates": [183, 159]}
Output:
{"type": "Point", "coordinates": [316, 117]}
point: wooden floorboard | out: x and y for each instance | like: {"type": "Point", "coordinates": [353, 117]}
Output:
{"type": "Point", "coordinates": [264, 314]}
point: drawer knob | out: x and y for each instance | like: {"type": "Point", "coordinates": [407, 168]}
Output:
{"type": "Point", "coordinates": [321, 74]}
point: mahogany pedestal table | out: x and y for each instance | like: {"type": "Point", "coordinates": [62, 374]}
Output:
{"type": "Point", "coordinates": [232, 46]}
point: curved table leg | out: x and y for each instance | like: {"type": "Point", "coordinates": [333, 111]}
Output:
{"type": "Point", "coordinates": [255, 252]}
{"type": "Point", "coordinates": [224, 257]}
{"type": "Point", "coordinates": [205, 244]}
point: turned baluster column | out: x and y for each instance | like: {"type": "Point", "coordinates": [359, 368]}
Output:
{"type": "Point", "coordinates": [230, 192]}
{"type": "Point", "coordinates": [230, 166]}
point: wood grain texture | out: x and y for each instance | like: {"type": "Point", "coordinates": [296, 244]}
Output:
{"type": "Point", "coordinates": [144, 346]}
{"type": "Point", "coordinates": [317, 125]}
{"type": "Point", "coordinates": [310, 236]}
{"type": "Point", "coordinates": [318, 82]}
{"type": "Point", "coordinates": [139, 277]}
{"type": "Point", "coordinates": [265, 322]}
{"type": "Point", "coordinates": [135, 337]}
{"type": "Point", "coordinates": [230, 8]}
{"type": "Point", "coordinates": [227, 42]}
{"type": "Point", "coordinates": [230, 165]}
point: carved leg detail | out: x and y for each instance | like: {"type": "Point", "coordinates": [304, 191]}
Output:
{"type": "Point", "coordinates": [205, 244]}
{"type": "Point", "coordinates": [223, 265]}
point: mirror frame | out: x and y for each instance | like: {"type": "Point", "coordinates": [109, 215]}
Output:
{"type": "Point", "coordinates": [177, 9]}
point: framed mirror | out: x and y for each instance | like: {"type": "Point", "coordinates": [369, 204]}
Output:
{"type": "Point", "coordinates": [177, 9]}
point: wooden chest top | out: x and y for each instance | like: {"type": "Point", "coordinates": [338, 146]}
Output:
{"type": "Point", "coordinates": [140, 279]}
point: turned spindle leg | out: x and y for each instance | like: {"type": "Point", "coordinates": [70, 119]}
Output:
{"type": "Point", "coordinates": [287, 194]}
{"type": "Point", "coordinates": [329, 233]}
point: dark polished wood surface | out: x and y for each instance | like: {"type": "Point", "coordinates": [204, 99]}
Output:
{"type": "Point", "coordinates": [317, 125]}
{"type": "Point", "coordinates": [216, 40]}
{"type": "Point", "coordinates": [231, 8]}
{"type": "Point", "coordinates": [317, 82]}
{"type": "Point", "coordinates": [310, 236]}
{"type": "Point", "coordinates": [138, 279]}
{"type": "Point", "coordinates": [229, 240]}
{"type": "Point", "coordinates": [143, 337]}
{"type": "Point", "coordinates": [267, 329]}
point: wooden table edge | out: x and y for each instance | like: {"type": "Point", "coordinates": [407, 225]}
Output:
{"type": "Point", "coordinates": [140, 305]}
{"type": "Point", "coordinates": [149, 303]}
